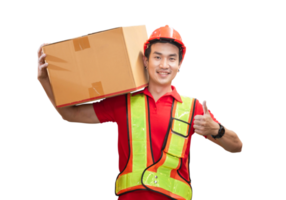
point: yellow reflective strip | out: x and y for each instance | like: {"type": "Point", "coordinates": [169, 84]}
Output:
{"type": "Point", "coordinates": [139, 144]}
{"type": "Point", "coordinates": [176, 145]}
{"type": "Point", "coordinates": [171, 162]}
{"type": "Point", "coordinates": [182, 113]}
{"type": "Point", "coordinates": [172, 185]}
{"type": "Point", "coordinates": [183, 109]}
{"type": "Point", "coordinates": [138, 126]}
{"type": "Point", "coordinates": [182, 189]}
{"type": "Point", "coordinates": [128, 180]}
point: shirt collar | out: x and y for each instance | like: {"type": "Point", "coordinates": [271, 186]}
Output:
{"type": "Point", "coordinates": [174, 93]}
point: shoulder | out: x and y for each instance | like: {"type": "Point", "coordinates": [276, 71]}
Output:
{"type": "Point", "coordinates": [111, 108]}
{"type": "Point", "coordinates": [114, 99]}
{"type": "Point", "coordinates": [111, 102]}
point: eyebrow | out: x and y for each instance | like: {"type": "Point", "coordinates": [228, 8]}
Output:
{"type": "Point", "coordinates": [156, 52]}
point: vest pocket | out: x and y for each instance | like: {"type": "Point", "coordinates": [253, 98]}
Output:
{"type": "Point", "coordinates": [180, 127]}
{"type": "Point", "coordinates": [177, 138]}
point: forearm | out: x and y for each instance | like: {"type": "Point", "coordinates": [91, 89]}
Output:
{"type": "Point", "coordinates": [230, 141]}
{"type": "Point", "coordinates": [65, 112]}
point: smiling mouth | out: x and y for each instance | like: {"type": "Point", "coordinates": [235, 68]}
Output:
{"type": "Point", "coordinates": [163, 73]}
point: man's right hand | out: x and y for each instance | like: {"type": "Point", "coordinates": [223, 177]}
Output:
{"type": "Point", "coordinates": [42, 66]}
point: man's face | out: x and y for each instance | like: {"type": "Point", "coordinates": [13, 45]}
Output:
{"type": "Point", "coordinates": [163, 63]}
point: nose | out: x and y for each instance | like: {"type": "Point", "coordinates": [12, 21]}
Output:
{"type": "Point", "coordinates": [164, 63]}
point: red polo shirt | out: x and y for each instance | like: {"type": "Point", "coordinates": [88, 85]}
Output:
{"type": "Point", "coordinates": [114, 110]}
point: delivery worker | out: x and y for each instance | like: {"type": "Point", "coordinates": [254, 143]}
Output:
{"type": "Point", "coordinates": [155, 125]}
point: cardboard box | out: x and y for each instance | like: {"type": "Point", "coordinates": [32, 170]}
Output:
{"type": "Point", "coordinates": [97, 65]}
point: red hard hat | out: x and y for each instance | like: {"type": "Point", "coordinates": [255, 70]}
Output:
{"type": "Point", "coordinates": [167, 33]}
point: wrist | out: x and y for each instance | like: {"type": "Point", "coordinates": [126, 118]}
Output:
{"type": "Point", "coordinates": [220, 132]}
{"type": "Point", "coordinates": [215, 129]}
{"type": "Point", "coordinates": [45, 83]}
{"type": "Point", "coordinates": [43, 80]}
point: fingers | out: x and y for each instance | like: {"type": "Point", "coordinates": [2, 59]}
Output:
{"type": "Point", "coordinates": [43, 66]}
{"type": "Point", "coordinates": [39, 49]}
{"type": "Point", "coordinates": [41, 56]}
{"type": "Point", "coordinates": [199, 122]}
{"type": "Point", "coordinates": [42, 59]}
{"type": "Point", "coordinates": [199, 117]}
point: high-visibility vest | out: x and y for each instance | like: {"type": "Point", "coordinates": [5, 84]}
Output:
{"type": "Point", "coordinates": [140, 171]}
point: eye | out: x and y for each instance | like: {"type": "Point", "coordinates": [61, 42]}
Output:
{"type": "Point", "coordinates": [172, 59]}
{"type": "Point", "coordinates": [157, 57]}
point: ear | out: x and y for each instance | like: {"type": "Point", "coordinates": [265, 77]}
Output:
{"type": "Point", "coordinates": [145, 61]}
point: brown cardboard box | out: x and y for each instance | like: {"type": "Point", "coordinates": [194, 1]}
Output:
{"type": "Point", "coordinates": [97, 65]}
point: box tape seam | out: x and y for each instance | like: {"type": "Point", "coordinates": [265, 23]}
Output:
{"type": "Point", "coordinates": [96, 89]}
{"type": "Point", "coordinates": [81, 43]}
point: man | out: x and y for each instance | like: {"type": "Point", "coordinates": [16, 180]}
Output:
{"type": "Point", "coordinates": [155, 125]}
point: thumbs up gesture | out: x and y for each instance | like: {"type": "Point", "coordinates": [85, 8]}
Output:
{"type": "Point", "coordinates": [204, 124]}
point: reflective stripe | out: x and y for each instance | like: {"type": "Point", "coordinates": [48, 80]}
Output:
{"type": "Point", "coordinates": [138, 128]}
{"type": "Point", "coordinates": [162, 176]}
{"type": "Point", "coordinates": [139, 136]}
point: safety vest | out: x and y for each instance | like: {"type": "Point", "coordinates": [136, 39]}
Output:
{"type": "Point", "coordinates": [141, 172]}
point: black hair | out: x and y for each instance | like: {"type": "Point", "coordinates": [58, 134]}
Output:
{"type": "Point", "coordinates": [164, 40]}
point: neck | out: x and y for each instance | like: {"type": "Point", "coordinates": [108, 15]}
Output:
{"type": "Point", "coordinates": [158, 91]}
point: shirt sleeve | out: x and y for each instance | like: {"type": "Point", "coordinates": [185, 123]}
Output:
{"type": "Point", "coordinates": [200, 111]}
{"type": "Point", "coordinates": [105, 109]}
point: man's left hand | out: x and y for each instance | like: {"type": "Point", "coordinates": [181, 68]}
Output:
{"type": "Point", "coordinates": [204, 124]}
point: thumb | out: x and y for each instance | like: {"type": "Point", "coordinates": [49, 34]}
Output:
{"type": "Point", "coordinates": [206, 111]}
